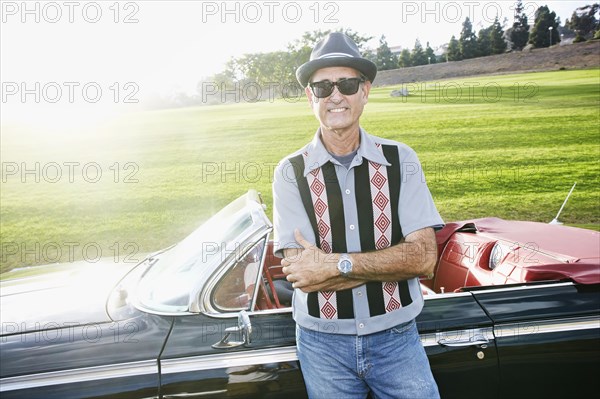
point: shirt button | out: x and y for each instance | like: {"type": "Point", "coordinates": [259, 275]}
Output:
{"type": "Point", "coordinates": [361, 325]}
{"type": "Point", "coordinates": [351, 227]}
{"type": "Point", "coordinates": [359, 293]}
{"type": "Point", "coordinates": [347, 191]}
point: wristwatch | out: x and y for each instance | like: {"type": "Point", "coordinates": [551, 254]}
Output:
{"type": "Point", "coordinates": [345, 265]}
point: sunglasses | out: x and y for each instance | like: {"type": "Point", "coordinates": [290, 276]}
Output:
{"type": "Point", "coordinates": [347, 87]}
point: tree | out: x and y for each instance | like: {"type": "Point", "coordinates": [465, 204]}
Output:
{"type": "Point", "coordinates": [566, 31]}
{"type": "Point", "coordinates": [519, 35]}
{"type": "Point", "coordinates": [584, 21]}
{"type": "Point", "coordinates": [309, 39]}
{"type": "Point", "coordinates": [453, 52]}
{"type": "Point", "coordinates": [430, 54]}
{"type": "Point", "coordinates": [497, 43]}
{"type": "Point", "coordinates": [384, 58]}
{"type": "Point", "coordinates": [273, 71]}
{"type": "Point", "coordinates": [404, 59]}
{"type": "Point", "coordinates": [225, 79]}
{"type": "Point", "coordinates": [541, 34]}
{"type": "Point", "coordinates": [484, 44]}
{"type": "Point", "coordinates": [468, 41]}
{"type": "Point", "coordinates": [418, 56]}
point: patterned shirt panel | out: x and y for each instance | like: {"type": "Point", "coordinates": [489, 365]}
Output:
{"type": "Point", "coordinates": [356, 206]}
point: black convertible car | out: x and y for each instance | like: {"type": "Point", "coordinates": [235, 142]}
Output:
{"type": "Point", "coordinates": [513, 310]}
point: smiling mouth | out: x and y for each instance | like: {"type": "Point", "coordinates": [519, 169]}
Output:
{"type": "Point", "coordinates": [337, 110]}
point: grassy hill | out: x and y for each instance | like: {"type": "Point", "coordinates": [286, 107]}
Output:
{"type": "Point", "coordinates": [568, 56]}
{"type": "Point", "coordinates": [509, 146]}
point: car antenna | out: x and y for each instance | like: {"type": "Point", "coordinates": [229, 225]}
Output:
{"type": "Point", "coordinates": [555, 220]}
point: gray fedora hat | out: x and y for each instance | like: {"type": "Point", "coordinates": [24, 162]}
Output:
{"type": "Point", "coordinates": [335, 49]}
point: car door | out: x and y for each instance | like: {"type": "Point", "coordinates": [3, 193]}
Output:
{"type": "Point", "coordinates": [205, 357]}
{"type": "Point", "coordinates": [460, 344]}
{"type": "Point", "coordinates": [548, 339]}
{"type": "Point", "coordinates": [266, 367]}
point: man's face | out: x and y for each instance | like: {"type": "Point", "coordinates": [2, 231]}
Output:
{"type": "Point", "coordinates": [338, 112]}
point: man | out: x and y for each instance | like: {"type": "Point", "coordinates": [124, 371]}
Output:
{"type": "Point", "coordinates": [355, 222]}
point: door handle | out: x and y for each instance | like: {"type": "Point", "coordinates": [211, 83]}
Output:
{"type": "Point", "coordinates": [476, 338]}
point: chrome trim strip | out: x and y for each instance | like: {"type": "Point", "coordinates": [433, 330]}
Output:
{"type": "Point", "coordinates": [260, 273]}
{"type": "Point", "coordinates": [270, 311]}
{"type": "Point", "coordinates": [120, 370]}
{"type": "Point", "coordinates": [233, 315]}
{"type": "Point", "coordinates": [201, 301]}
{"type": "Point", "coordinates": [496, 288]}
{"type": "Point", "coordinates": [431, 297]}
{"type": "Point", "coordinates": [520, 287]}
{"type": "Point", "coordinates": [146, 309]}
{"type": "Point", "coordinates": [547, 326]}
{"type": "Point", "coordinates": [231, 359]}
{"type": "Point", "coordinates": [194, 394]}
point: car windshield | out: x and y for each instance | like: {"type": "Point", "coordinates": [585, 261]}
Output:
{"type": "Point", "coordinates": [167, 285]}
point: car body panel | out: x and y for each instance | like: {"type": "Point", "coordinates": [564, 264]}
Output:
{"type": "Point", "coordinates": [465, 370]}
{"type": "Point", "coordinates": [115, 358]}
{"type": "Point", "coordinates": [544, 332]}
{"type": "Point", "coordinates": [125, 387]}
{"type": "Point", "coordinates": [59, 295]}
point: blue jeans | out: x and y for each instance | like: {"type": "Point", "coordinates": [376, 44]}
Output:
{"type": "Point", "coordinates": [389, 364]}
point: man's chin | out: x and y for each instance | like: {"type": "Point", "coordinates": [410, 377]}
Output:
{"type": "Point", "coordinates": [337, 124]}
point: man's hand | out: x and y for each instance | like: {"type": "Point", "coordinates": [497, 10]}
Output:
{"type": "Point", "coordinates": [310, 269]}
{"type": "Point", "coordinates": [308, 266]}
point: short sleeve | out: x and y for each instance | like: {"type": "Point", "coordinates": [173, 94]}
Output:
{"type": "Point", "coordinates": [288, 211]}
{"type": "Point", "coordinates": [416, 208]}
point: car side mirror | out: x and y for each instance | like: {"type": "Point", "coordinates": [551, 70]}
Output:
{"type": "Point", "coordinates": [244, 327]}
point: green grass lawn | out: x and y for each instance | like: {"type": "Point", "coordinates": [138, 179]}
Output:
{"type": "Point", "coordinates": [509, 146]}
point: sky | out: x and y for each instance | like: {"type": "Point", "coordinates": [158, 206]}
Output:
{"type": "Point", "coordinates": [61, 56]}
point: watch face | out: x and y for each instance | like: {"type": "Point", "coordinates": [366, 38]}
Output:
{"type": "Point", "coordinates": [345, 266]}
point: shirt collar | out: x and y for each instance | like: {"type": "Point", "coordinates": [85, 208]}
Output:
{"type": "Point", "coordinates": [318, 154]}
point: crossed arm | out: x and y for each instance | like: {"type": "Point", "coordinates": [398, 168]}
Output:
{"type": "Point", "coordinates": [311, 269]}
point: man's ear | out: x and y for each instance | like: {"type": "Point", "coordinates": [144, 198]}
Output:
{"type": "Point", "coordinates": [366, 89]}
{"type": "Point", "coordinates": [309, 95]}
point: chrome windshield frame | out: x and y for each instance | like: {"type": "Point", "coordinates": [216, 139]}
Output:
{"type": "Point", "coordinates": [260, 226]}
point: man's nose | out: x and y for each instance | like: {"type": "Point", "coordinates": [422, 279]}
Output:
{"type": "Point", "coordinates": [335, 94]}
